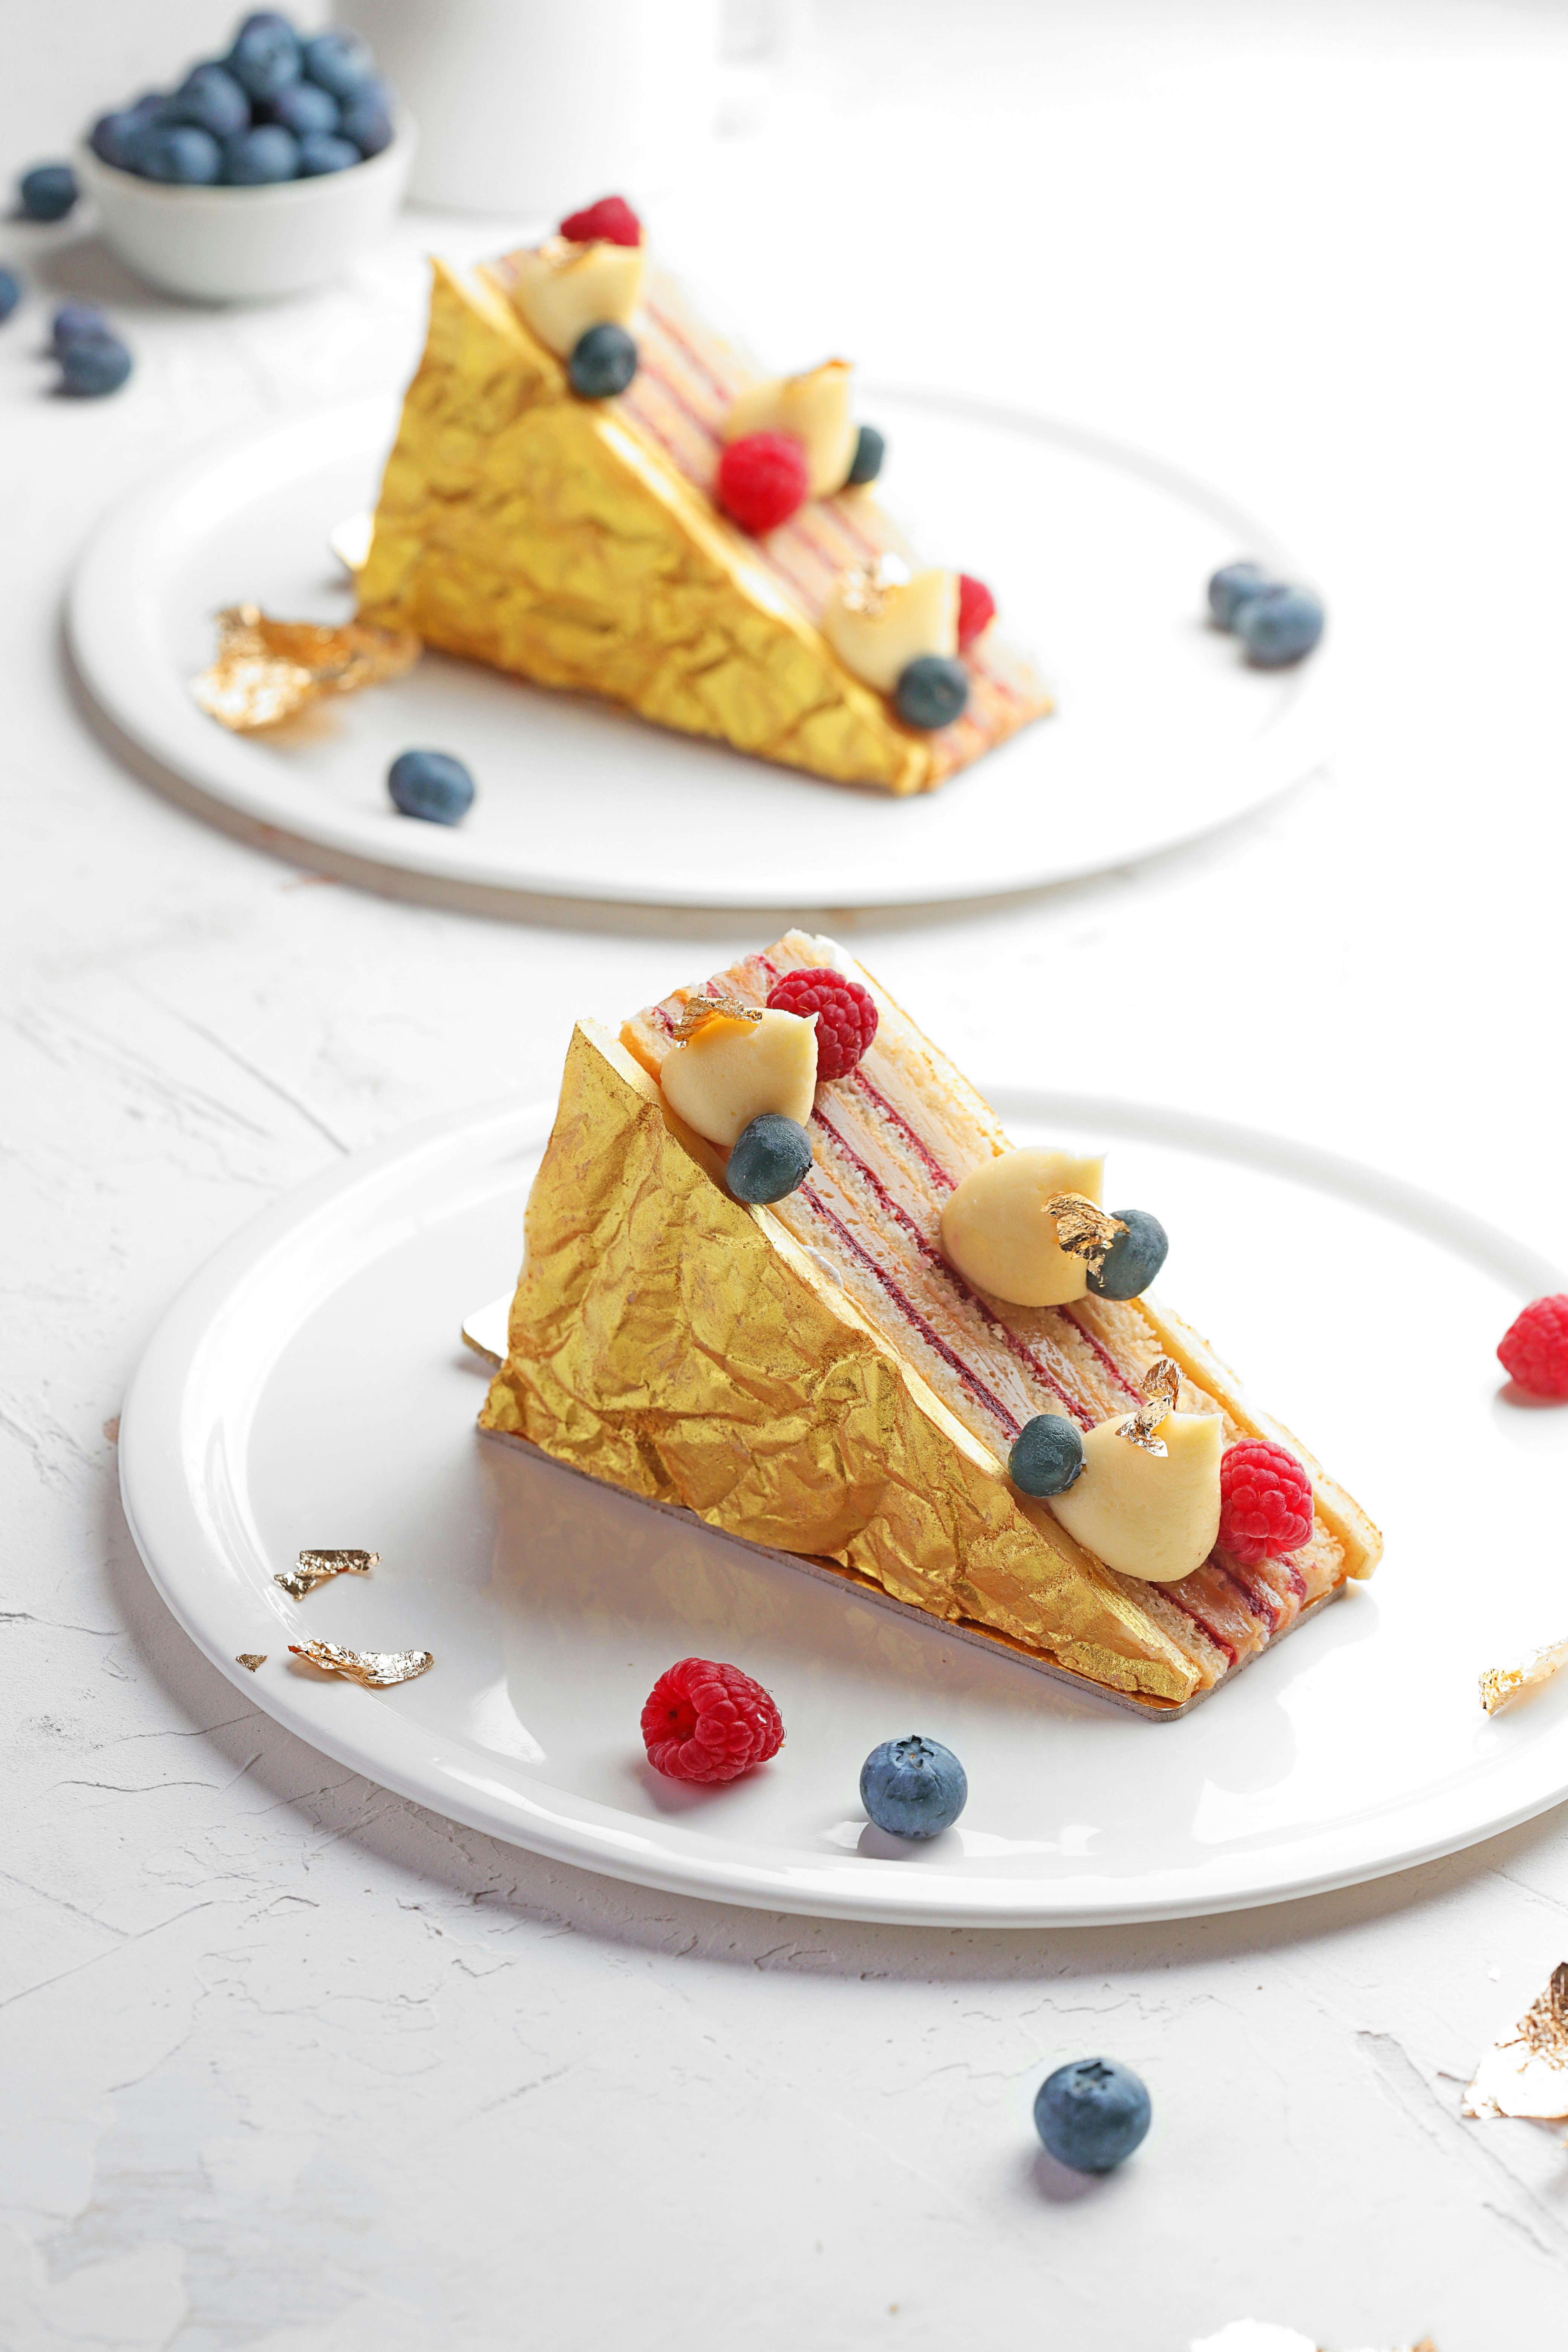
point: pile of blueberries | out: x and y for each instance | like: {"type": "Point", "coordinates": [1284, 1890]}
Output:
{"type": "Point", "coordinates": [279, 106]}
{"type": "Point", "coordinates": [1277, 623]}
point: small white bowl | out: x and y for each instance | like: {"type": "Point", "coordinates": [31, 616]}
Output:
{"type": "Point", "coordinates": [249, 244]}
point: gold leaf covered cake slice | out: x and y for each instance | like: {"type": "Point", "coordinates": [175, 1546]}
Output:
{"type": "Point", "coordinates": [578, 540]}
{"type": "Point", "coordinates": [1078, 1477]}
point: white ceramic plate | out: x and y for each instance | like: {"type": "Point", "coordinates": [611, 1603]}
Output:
{"type": "Point", "coordinates": [310, 1389]}
{"type": "Point", "coordinates": [1098, 558]}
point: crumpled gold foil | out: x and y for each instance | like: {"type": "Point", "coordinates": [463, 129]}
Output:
{"type": "Point", "coordinates": [320, 1567]}
{"type": "Point", "coordinates": [1161, 1385]}
{"type": "Point", "coordinates": [250, 1659]}
{"type": "Point", "coordinates": [373, 1669]}
{"type": "Point", "coordinates": [264, 671]}
{"type": "Point", "coordinates": [1501, 1685]}
{"type": "Point", "coordinates": [697, 1013]}
{"type": "Point", "coordinates": [1083, 1227]}
{"type": "Point", "coordinates": [1526, 2073]}
{"type": "Point", "coordinates": [677, 1344]}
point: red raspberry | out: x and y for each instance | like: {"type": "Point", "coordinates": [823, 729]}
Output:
{"type": "Point", "coordinates": [708, 1722]}
{"type": "Point", "coordinates": [976, 609]}
{"type": "Point", "coordinates": [611, 220]}
{"type": "Point", "coordinates": [1533, 1350]}
{"type": "Point", "coordinates": [1264, 1502]}
{"type": "Point", "coordinates": [846, 1015]}
{"type": "Point", "coordinates": [762, 479]}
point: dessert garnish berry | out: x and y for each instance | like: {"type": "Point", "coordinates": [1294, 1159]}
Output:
{"type": "Point", "coordinates": [1046, 1455]}
{"type": "Point", "coordinates": [976, 609]}
{"type": "Point", "coordinates": [1279, 625]}
{"type": "Point", "coordinates": [914, 1788]}
{"type": "Point", "coordinates": [931, 692]}
{"type": "Point", "coordinates": [1134, 1258]}
{"type": "Point", "coordinates": [770, 1159]}
{"type": "Point", "coordinates": [871, 449]}
{"type": "Point", "coordinates": [1264, 1502]}
{"type": "Point", "coordinates": [604, 361]}
{"type": "Point", "coordinates": [611, 221]}
{"type": "Point", "coordinates": [1231, 586]}
{"type": "Point", "coordinates": [845, 1014]}
{"type": "Point", "coordinates": [1092, 2113]}
{"type": "Point", "coordinates": [1533, 1350]}
{"type": "Point", "coordinates": [762, 479]}
{"type": "Point", "coordinates": [93, 365]}
{"type": "Point", "coordinates": [432, 785]}
{"type": "Point", "coordinates": [703, 1721]}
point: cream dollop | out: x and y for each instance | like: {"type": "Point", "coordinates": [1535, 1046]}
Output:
{"type": "Point", "coordinates": [998, 1233]}
{"type": "Point", "coordinates": [731, 1071]}
{"type": "Point", "coordinates": [1151, 1515]}
{"type": "Point", "coordinates": [814, 407]}
{"type": "Point", "coordinates": [562, 289]}
{"type": "Point", "coordinates": [877, 622]}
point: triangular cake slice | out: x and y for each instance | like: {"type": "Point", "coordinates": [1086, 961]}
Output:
{"type": "Point", "coordinates": [577, 542]}
{"type": "Point", "coordinates": [815, 1377]}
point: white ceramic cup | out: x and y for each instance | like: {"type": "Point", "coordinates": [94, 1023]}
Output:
{"type": "Point", "coordinates": [537, 105]}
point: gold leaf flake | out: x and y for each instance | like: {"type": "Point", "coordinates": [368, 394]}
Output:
{"type": "Point", "coordinates": [250, 1659]}
{"type": "Point", "coordinates": [373, 1669]}
{"type": "Point", "coordinates": [265, 670]}
{"type": "Point", "coordinates": [697, 1011]}
{"type": "Point", "coordinates": [1084, 1227]}
{"type": "Point", "coordinates": [320, 1567]}
{"type": "Point", "coordinates": [1526, 2073]}
{"type": "Point", "coordinates": [1159, 1385]}
{"type": "Point", "coordinates": [1500, 1685]}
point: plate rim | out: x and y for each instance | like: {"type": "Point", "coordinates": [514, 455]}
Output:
{"type": "Point", "coordinates": [369, 1735]}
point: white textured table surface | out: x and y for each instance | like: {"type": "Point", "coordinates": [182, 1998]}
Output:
{"type": "Point", "coordinates": [290, 2065]}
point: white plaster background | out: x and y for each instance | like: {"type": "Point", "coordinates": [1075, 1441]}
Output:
{"type": "Point", "coordinates": [292, 2066]}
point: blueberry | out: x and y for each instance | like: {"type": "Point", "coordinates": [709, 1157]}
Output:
{"type": "Point", "coordinates": [258, 158]}
{"type": "Point", "coordinates": [75, 322]}
{"type": "Point", "coordinates": [93, 366]}
{"type": "Point", "coordinates": [1047, 1454]}
{"type": "Point", "coordinates": [604, 361]}
{"type": "Point", "coordinates": [867, 463]}
{"type": "Point", "coordinates": [1231, 586]}
{"type": "Point", "coordinates": [113, 137]}
{"type": "Point", "coordinates": [338, 61]}
{"type": "Point", "coordinates": [322, 152]}
{"type": "Point", "coordinates": [304, 108]}
{"type": "Point", "coordinates": [430, 785]}
{"type": "Point", "coordinates": [212, 101]}
{"type": "Point", "coordinates": [1279, 626]}
{"type": "Point", "coordinates": [10, 293]}
{"type": "Point", "coordinates": [1091, 2115]}
{"type": "Point", "coordinates": [771, 1156]}
{"type": "Point", "coordinates": [932, 690]}
{"type": "Point", "coordinates": [180, 155]}
{"type": "Point", "coordinates": [367, 118]}
{"type": "Point", "coordinates": [266, 54]}
{"type": "Point", "coordinates": [47, 192]}
{"type": "Point", "coordinates": [1134, 1257]}
{"type": "Point", "coordinates": [914, 1788]}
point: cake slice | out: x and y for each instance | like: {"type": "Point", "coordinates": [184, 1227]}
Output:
{"type": "Point", "coordinates": [817, 1376]}
{"type": "Point", "coordinates": [576, 541]}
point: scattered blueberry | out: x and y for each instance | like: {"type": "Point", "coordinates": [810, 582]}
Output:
{"type": "Point", "coordinates": [93, 366]}
{"type": "Point", "coordinates": [47, 192]}
{"type": "Point", "coordinates": [932, 691]}
{"type": "Point", "coordinates": [338, 61]}
{"type": "Point", "coordinates": [772, 1156]}
{"type": "Point", "coordinates": [10, 293]}
{"type": "Point", "coordinates": [1231, 586]}
{"type": "Point", "coordinates": [265, 53]}
{"type": "Point", "coordinates": [1134, 1257]}
{"type": "Point", "coordinates": [1047, 1454]}
{"type": "Point", "coordinates": [1091, 2115]}
{"type": "Point", "coordinates": [604, 361]}
{"type": "Point", "coordinates": [430, 785]}
{"type": "Point", "coordinates": [867, 463]}
{"type": "Point", "coordinates": [179, 154]}
{"type": "Point", "coordinates": [1279, 626]}
{"type": "Point", "coordinates": [367, 118]}
{"type": "Point", "coordinates": [322, 152]}
{"type": "Point", "coordinates": [75, 322]}
{"type": "Point", "coordinates": [258, 158]}
{"type": "Point", "coordinates": [212, 101]}
{"type": "Point", "coordinates": [303, 108]}
{"type": "Point", "coordinates": [914, 1788]}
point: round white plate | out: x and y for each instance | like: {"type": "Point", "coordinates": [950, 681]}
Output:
{"type": "Point", "coordinates": [1098, 558]}
{"type": "Point", "coordinates": [309, 1388]}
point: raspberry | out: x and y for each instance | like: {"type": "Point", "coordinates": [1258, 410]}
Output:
{"type": "Point", "coordinates": [708, 1722]}
{"type": "Point", "coordinates": [976, 609]}
{"type": "Point", "coordinates": [611, 220]}
{"type": "Point", "coordinates": [1533, 1350]}
{"type": "Point", "coordinates": [1264, 1502]}
{"type": "Point", "coordinates": [846, 1015]}
{"type": "Point", "coordinates": [762, 479]}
